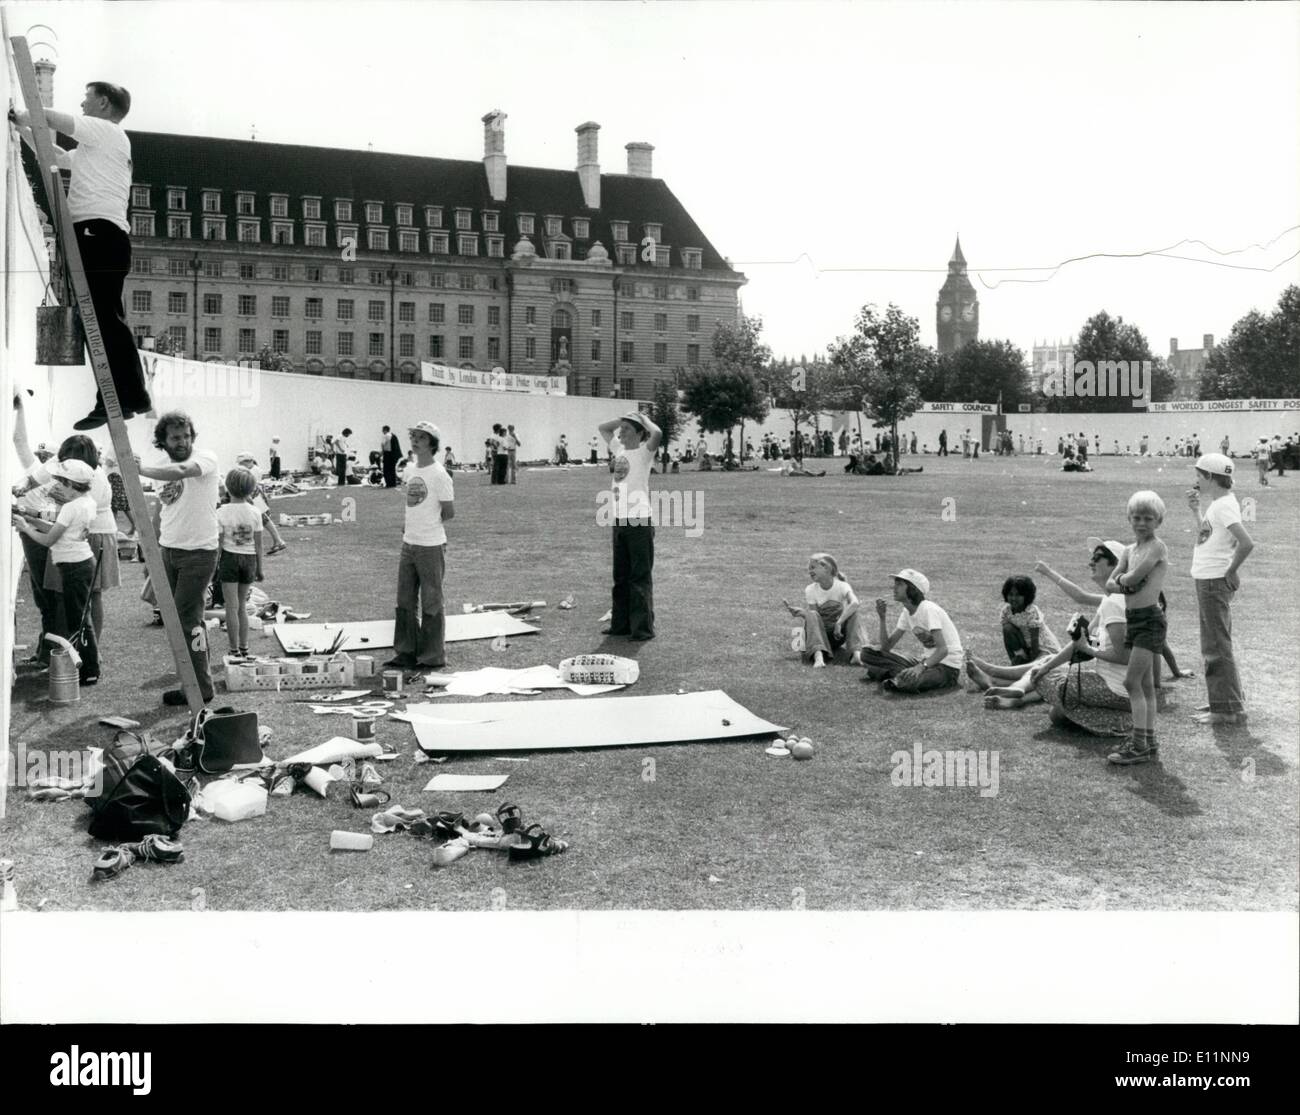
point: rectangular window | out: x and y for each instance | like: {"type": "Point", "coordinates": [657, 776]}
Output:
{"type": "Point", "coordinates": [437, 280]}
{"type": "Point", "coordinates": [377, 239]}
{"type": "Point", "coordinates": [346, 309]}
{"type": "Point", "coordinates": [178, 228]}
{"type": "Point", "coordinates": [179, 337]}
{"type": "Point", "coordinates": [141, 265]}
{"type": "Point", "coordinates": [581, 228]}
{"type": "Point", "coordinates": [244, 204]}
{"type": "Point", "coordinates": [247, 305]}
{"type": "Point", "coordinates": [280, 272]}
{"type": "Point", "coordinates": [661, 323]}
{"type": "Point", "coordinates": [463, 218]}
{"type": "Point", "coordinates": [627, 290]}
{"type": "Point", "coordinates": [214, 228]}
{"type": "Point", "coordinates": [403, 214]}
{"type": "Point", "coordinates": [345, 344]}
{"type": "Point", "coordinates": [559, 250]}
{"type": "Point", "coordinates": [595, 319]}
{"type": "Point", "coordinates": [692, 323]}
{"type": "Point", "coordinates": [347, 274]}
{"type": "Point", "coordinates": [141, 224]}
{"type": "Point", "coordinates": [490, 220]}
{"type": "Point", "coordinates": [280, 340]}
{"type": "Point", "coordinates": [530, 347]}
{"type": "Point", "coordinates": [494, 315]}
{"type": "Point", "coordinates": [212, 269]}
{"type": "Point", "coordinates": [525, 224]}
{"type": "Point", "coordinates": [692, 294]}
{"type": "Point", "coordinates": [212, 303]}
{"type": "Point", "coordinates": [496, 247]}
{"type": "Point", "coordinates": [311, 208]}
{"type": "Point", "coordinates": [692, 354]}
{"type": "Point", "coordinates": [279, 305]}
{"type": "Point", "coordinates": [554, 226]}
{"type": "Point", "coordinates": [375, 311]}
{"type": "Point", "coordinates": [437, 313]}
{"type": "Point", "coordinates": [211, 339]}
{"type": "Point", "coordinates": [627, 352]}
{"type": "Point", "coordinates": [595, 351]}
{"type": "Point", "coordinates": [178, 302]}
{"type": "Point", "coordinates": [279, 205]}
{"type": "Point", "coordinates": [655, 232]}
{"type": "Point", "coordinates": [406, 344]}
{"type": "Point", "coordinates": [250, 232]}
{"type": "Point", "coordinates": [408, 240]}
{"type": "Point", "coordinates": [314, 308]}
{"type": "Point", "coordinates": [626, 388]}
{"type": "Point", "coordinates": [178, 267]}
{"type": "Point", "coordinates": [493, 282]}
{"type": "Point", "coordinates": [465, 347]}
{"type": "Point", "coordinates": [345, 236]}
{"type": "Point", "coordinates": [313, 345]}
{"type": "Point", "coordinates": [661, 291]}
{"type": "Point", "coordinates": [626, 320]}
{"type": "Point", "coordinates": [626, 255]}
{"type": "Point", "coordinates": [281, 232]}
{"type": "Point", "coordinates": [467, 282]}
{"type": "Point", "coordinates": [376, 344]}
{"type": "Point", "coordinates": [248, 271]}
{"type": "Point", "coordinates": [433, 216]}
{"type": "Point", "coordinates": [530, 315]}
{"type": "Point", "coordinates": [435, 346]}
{"type": "Point", "coordinates": [248, 340]}
{"type": "Point", "coordinates": [661, 352]}
{"type": "Point", "coordinates": [494, 348]}
{"type": "Point", "coordinates": [440, 243]}
{"type": "Point", "coordinates": [620, 231]}
{"type": "Point", "coordinates": [315, 235]}
{"type": "Point", "coordinates": [313, 274]}
{"type": "Point", "coordinates": [663, 257]}
{"type": "Point", "coordinates": [377, 277]}
{"type": "Point", "coordinates": [465, 315]}
{"type": "Point", "coordinates": [140, 197]}
{"type": "Point", "coordinates": [142, 301]}
{"type": "Point", "coordinates": [175, 199]}
{"type": "Point", "coordinates": [374, 212]}
{"type": "Point", "coordinates": [140, 332]}
{"type": "Point", "coordinates": [595, 387]}
{"type": "Point", "coordinates": [406, 311]}
{"type": "Point", "coordinates": [692, 259]}
{"type": "Point", "coordinates": [467, 245]}
{"type": "Point", "coordinates": [342, 210]}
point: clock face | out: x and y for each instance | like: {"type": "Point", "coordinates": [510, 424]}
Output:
{"type": "Point", "coordinates": [946, 313]}
{"type": "Point", "coordinates": [968, 312]}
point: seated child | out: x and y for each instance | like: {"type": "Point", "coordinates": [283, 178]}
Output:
{"type": "Point", "coordinates": [831, 618]}
{"type": "Point", "coordinates": [1024, 633]}
{"type": "Point", "coordinates": [934, 630]}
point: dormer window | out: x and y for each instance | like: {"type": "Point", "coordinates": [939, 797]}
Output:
{"type": "Point", "coordinates": [405, 215]}
{"type": "Point", "coordinates": [467, 244]}
{"type": "Point", "coordinates": [377, 239]}
{"type": "Point", "coordinates": [581, 228]}
{"type": "Point", "coordinates": [663, 257]}
{"type": "Point", "coordinates": [655, 232]}
{"type": "Point", "coordinates": [693, 258]}
{"type": "Point", "coordinates": [408, 240]}
{"type": "Point", "coordinates": [554, 226]}
{"type": "Point", "coordinates": [374, 213]}
{"type": "Point", "coordinates": [282, 231]}
{"type": "Point", "coordinates": [560, 250]}
{"type": "Point", "coordinates": [433, 216]}
{"type": "Point", "coordinates": [175, 199]}
{"type": "Point", "coordinates": [212, 201]}
{"type": "Point", "coordinates": [626, 254]}
{"type": "Point", "coordinates": [343, 210]}
{"type": "Point", "coordinates": [491, 220]}
{"type": "Point", "coordinates": [279, 205]}
{"type": "Point", "coordinates": [440, 243]}
{"type": "Point", "coordinates": [525, 224]}
{"type": "Point", "coordinates": [620, 230]}
{"type": "Point", "coordinates": [464, 219]}
{"type": "Point", "coordinates": [311, 208]}
{"type": "Point", "coordinates": [496, 247]}
{"type": "Point", "coordinates": [244, 204]}
{"type": "Point", "coordinates": [140, 197]}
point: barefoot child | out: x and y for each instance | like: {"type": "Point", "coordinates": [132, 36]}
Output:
{"type": "Point", "coordinates": [1027, 639]}
{"type": "Point", "coordinates": [240, 563]}
{"type": "Point", "coordinates": [831, 618]}
{"type": "Point", "coordinates": [940, 666]}
{"type": "Point", "coordinates": [1140, 575]}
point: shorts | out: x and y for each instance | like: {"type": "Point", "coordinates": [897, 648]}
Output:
{"type": "Point", "coordinates": [237, 569]}
{"type": "Point", "coordinates": [1145, 628]}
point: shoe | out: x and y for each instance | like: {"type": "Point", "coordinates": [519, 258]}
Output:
{"type": "Point", "coordinates": [96, 418]}
{"type": "Point", "coordinates": [643, 637]}
{"type": "Point", "coordinates": [400, 663]}
{"type": "Point", "coordinates": [277, 549]}
{"type": "Point", "coordinates": [616, 634]}
{"type": "Point", "coordinates": [1220, 718]}
{"type": "Point", "coordinates": [1131, 753]}
{"type": "Point", "coordinates": [91, 679]}
{"type": "Point", "coordinates": [175, 697]}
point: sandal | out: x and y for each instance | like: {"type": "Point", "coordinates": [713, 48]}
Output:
{"type": "Point", "coordinates": [535, 842]}
{"type": "Point", "coordinates": [449, 825]}
{"type": "Point", "coordinates": [510, 816]}
{"type": "Point", "coordinates": [111, 864]}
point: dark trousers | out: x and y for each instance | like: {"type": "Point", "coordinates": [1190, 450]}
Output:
{"type": "Point", "coordinates": [421, 626]}
{"type": "Point", "coordinates": [47, 601]}
{"type": "Point", "coordinates": [341, 468]}
{"type": "Point", "coordinates": [500, 465]}
{"type": "Point", "coordinates": [106, 256]}
{"type": "Point", "coordinates": [75, 625]}
{"type": "Point", "coordinates": [633, 611]}
{"type": "Point", "coordinates": [275, 468]}
{"type": "Point", "coordinates": [189, 572]}
{"type": "Point", "coordinates": [390, 470]}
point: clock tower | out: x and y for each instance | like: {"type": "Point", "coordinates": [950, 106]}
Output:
{"type": "Point", "coordinates": [957, 312]}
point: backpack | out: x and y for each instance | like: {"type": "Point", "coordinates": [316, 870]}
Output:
{"type": "Point", "coordinates": [139, 795]}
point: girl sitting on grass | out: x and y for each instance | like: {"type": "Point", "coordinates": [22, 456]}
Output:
{"type": "Point", "coordinates": [241, 554]}
{"type": "Point", "coordinates": [1027, 638]}
{"type": "Point", "coordinates": [934, 630]}
{"type": "Point", "coordinates": [831, 619]}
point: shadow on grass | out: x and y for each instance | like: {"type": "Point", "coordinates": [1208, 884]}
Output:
{"type": "Point", "coordinates": [1245, 752]}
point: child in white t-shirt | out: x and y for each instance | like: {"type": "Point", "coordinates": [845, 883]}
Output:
{"type": "Point", "coordinates": [1261, 455]}
{"type": "Point", "coordinates": [240, 564]}
{"type": "Point", "coordinates": [831, 617]}
{"type": "Point", "coordinates": [930, 624]}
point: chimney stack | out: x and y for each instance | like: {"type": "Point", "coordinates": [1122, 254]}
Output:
{"type": "Point", "coordinates": [1207, 342]}
{"type": "Point", "coordinates": [589, 163]}
{"type": "Point", "coordinates": [639, 156]}
{"type": "Point", "coordinates": [45, 81]}
{"type": "Point", "coordinates": [494, 153]}
{"type": "Point", "coordinates": [1173, 346]}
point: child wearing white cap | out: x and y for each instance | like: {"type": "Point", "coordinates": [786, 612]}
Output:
{"type": "Point", "coordinates": [1222, 544]}
{"type": "Point", "coordinates": [934, 630]}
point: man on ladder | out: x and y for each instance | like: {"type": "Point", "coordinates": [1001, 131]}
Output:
{"type": "Point", "coordinates": [97, 199]}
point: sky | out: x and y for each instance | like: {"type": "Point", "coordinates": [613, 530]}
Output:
{"type": "Point", "coordinates": [832, 151]}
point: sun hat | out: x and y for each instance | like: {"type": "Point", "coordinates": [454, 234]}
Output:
{"type": "Point", "coordinates": [912, 577]}
{"type": "Point", "coordinates": [1115, 549]}
{"type": "Point", "coordinates": [77, 471]}
{"type": "Point", "coordinates": [637, 420]}
{"type": "Point", "coordinates": [1216, 464]}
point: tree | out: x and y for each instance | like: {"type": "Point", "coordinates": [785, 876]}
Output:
{"type": "Point", "coordinates": [665, 412]}
{"type": "Point", "coordinates": [1104, 338]}
{"type": "Point", "coordinates": [884, 363]}
{"type": "Point", "coordinates": [980, 371]}
{"type": "Point", "coordinates": [737, 347]}
{"type": "Point", "coordinates": [1260, 359]}
{"type": "Point", "coordinates": [721, 396]}
{"type": "Point", "coordinates": [805, 390]}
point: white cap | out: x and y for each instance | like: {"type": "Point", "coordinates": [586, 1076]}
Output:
{"type": "Point", "coordinates": [76, 471]}
{"type": "Point", "coordinates": [1115, 549]}
{"type": "Point", "coordinates": [912, 577]}
{"type": "Point", "coordinates": [1216, 464]}
{"type": "Point", "coordinates": [430, 429]}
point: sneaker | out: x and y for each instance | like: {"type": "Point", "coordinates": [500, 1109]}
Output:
{"type": "Point", "coordinates": [1131, 753]}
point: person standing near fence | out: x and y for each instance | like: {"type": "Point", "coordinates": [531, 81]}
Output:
{"type": "Point", "coordinates": [391, 452]}
{"type": "Point", "coordinates": [342, 450]}
{"type": "Point", "coordinates": [512, 452]}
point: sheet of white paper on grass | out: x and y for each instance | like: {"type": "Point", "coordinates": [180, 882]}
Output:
{"type": "Point", "coordinates": [478, 783]}
{"type": "Point", "coordinates": [377, 634]}
{"type": "Point", "coordinates": [579, 723]}
{"type": "Point", "coordinates": [496, 679]}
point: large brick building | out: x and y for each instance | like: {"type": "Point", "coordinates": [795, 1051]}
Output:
{"type": "Point", "coordinates": [362, 264]}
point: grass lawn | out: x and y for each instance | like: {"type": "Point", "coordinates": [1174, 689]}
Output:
{"type": "Point", "coordinates": [1213, 826]}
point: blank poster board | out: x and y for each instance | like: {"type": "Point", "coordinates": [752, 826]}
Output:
{"type": "Point", "coordinates": [377, 634]}
{"type": "Point", "coordinates": [578, 722]}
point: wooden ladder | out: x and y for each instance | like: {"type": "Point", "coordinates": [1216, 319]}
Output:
{"type": "Point", "coordinates": [69, 256]}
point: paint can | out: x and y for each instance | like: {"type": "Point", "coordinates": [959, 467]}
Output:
{"type": "Point", "coordinates": [65, 678]}
{"type": "Point", "coordinates": [363, 666]}
{"type": "Point", "coordinates": [363, 728]}
{"type": "Point", "coordinates": [392, 681]}
{"type": "Point", "coordinates": [60, 339]}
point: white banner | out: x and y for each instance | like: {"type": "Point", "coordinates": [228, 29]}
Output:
{"type": "Point", "coordinates": [1225, 404]}
{"type": "Point", "coordinates": [495, 380]}
{"type": "Point", "coordinates": [958, 408]}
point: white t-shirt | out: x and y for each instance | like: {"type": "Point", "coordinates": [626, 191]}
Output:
{"type": "Point", "coordinates": [1111, 610]}
{"type": "Point", "coordinates": [1214, 542]}
{"type": "Point", "coordinates": [927, 618]}
{"type": "Point", "coordinates": [427, 489]}
{"type": "Point", "coordinates": [840, 594]}
{"type": "Point", "coordinates": [101, 491]}
{"type": "Point", "coordinates": [76, 516]}
{"type": "Point", "coordinates": [101, 172]}
{"type": "Point", "coordinates": [189, 513]}
{"type": "Point", "coordinates": [631, 485]}
{"type": "Point", "coordinates": [238, 523]}
{"type": "Point", "coordinates": [1262, 452]}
